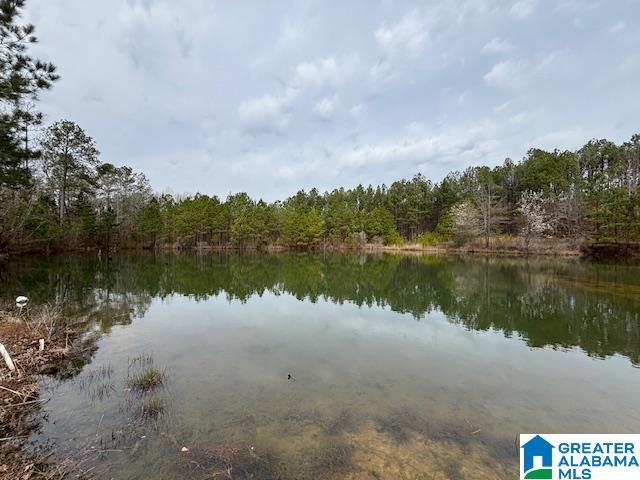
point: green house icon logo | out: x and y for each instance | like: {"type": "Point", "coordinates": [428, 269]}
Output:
{"type": "Point", "coordinates": [538, 459]}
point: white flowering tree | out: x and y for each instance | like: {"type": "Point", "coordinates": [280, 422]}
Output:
{"type": "Point", "coordinates": [535, 221]}
{"type": "Point", "coordinates": [464, 222]}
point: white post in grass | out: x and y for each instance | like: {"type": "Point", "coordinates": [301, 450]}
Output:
{"type": "Point", "coordinates": [7, 358]}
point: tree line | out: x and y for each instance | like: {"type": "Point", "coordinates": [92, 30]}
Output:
{"type": "Point", "coordinates": [57, 194]}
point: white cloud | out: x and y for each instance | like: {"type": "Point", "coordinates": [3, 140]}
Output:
{"type": "Point", "coordinates": [510, 74]}
{"type": "Point", "coordinates": [522, 9]}
{"type": "Point", "coordinates": [422, 147]}
{"type": "Point", "coordinates": [325, 108]}
{"type": "Point", "coordinates": [497, 45]}
{"type": "Point", "coordinates": [266, 114]}
{"type": "Point", "coordinates": [271, 113]}
{"type": "Point", "coordinates": [320, 73]}
{"type": "Point", "coordinates": [408, 36]}
{"type": "Point", "coordinates": [515, 74]}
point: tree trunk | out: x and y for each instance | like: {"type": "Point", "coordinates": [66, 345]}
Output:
{"type": "Point", "coordinates": [486, 240]}
{"type": "Point", "coordinates": [63, 194]}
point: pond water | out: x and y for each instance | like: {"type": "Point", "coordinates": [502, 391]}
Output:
{"type": "Point", "coordinates": [402, 366]}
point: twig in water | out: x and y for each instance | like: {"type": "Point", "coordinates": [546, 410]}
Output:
{"type": "Point", "coordinates": [11, 438]}
{"type": "Point", "coordinates": [28, 402]}
{"type": "Point", "coordinates": [99, 423]}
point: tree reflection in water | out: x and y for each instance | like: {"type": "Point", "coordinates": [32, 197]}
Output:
{"type": "Point", "coordinates": [547, 303]}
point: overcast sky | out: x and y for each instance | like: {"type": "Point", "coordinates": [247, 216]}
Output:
{"type": "Point", "coordinates": [271, 97]}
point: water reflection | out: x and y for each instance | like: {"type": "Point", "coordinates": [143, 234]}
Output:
{"type": "Point", "coordinates": [561, 304]}
{"type": "Point", "coordinates": [405, 366]}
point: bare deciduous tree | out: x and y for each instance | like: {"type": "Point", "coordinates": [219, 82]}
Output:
{"type": "Point", "coordinates": [484, 193]}
{"type": "Point", "coordinates": [535, 222]}
{"type": "Point", "coordinates": [465, 224]}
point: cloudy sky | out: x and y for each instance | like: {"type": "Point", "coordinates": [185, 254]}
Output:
{"type": "Point", "coordinates": [270, 97]}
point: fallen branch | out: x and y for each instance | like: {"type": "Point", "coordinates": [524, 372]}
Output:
{"type": "Point", "coordinates": [4, 439]}
{"type": "Point", "coordinates": [27, 403]}
{"type": "Point", "coordinates": [12, 391]}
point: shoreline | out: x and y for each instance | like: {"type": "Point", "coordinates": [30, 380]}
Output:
{"type": "Point", "coordinates": [39, 343]}
{"type": "Point", "coordinates": [499, 247]}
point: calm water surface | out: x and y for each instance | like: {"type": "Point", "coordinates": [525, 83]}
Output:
{"type": "Point", "coordinates": [403, 366]}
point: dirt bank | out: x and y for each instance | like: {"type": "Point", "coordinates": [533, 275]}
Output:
{"type": "Point", "coordinates": [39, 343]}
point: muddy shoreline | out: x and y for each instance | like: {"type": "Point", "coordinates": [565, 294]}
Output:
{"type": "Point", "coordinates": [63, 353]}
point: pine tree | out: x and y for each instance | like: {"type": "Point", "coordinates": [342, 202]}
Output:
{"type": "Point", "coordinates": [21, 79]}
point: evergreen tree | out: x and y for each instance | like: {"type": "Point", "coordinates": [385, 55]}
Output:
{"type": "Point", "coordinates": [67, 160]}
{"type": "Point", "coordinates": [21, 79]}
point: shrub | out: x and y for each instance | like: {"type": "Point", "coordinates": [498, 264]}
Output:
{"type": "Point", "coordinates": [431, 238]}
{"type": "Point", "coordinates": [392, 238]}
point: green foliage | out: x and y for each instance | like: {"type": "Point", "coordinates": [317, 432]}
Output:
{"type": "Point", "coordinates": [341, 216]}
{"type": "Point", "coordinates": [83, 224]}
{"type": "Point", "coordinates": [21, 79]}
{"type": "Point", "coordinates": [616, 213]}
{"type": "Point", "coordinates": [445, 225]}
{"type": "Point", "coordinates": [379, 224]}
{"type": "Point", "coordinates": [431, 238]}
{"type": "Point", "coordinates": [588, 192]}
{"type": "Point", "coordinates": [199, 218]}
{"type": "Point", "coordinates": [149, 221]}
{"type": "Point", "coordinates": [147, 379]}
{"type": "Point", "coordinates": [302, 229]}
{"type": "Point", "coordinates": [106, 227]}
{"type": "Point", "coordinates": [543, 171]}
{"type": "Point", "coordinates": [69, 157]}
{"type": "Point", "coordinates": [411, 203]}
{"type": "Point", "coordinates": [393, 238]}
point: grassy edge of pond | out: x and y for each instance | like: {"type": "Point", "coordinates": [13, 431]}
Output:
{"type": "Point", "coordinates": [65, 351]}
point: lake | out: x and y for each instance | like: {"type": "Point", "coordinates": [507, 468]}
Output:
{"type": "Point", "coordinates": [402, 366]}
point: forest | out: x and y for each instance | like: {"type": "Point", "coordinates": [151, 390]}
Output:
{"type": "Point", "coordinates": [58, 195]}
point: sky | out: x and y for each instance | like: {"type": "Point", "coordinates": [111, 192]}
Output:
{"type": "Point", "coordinates": [271, 97]}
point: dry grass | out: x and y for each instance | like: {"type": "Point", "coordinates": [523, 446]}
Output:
{"type": "Point", "coordinates": [498, 245]}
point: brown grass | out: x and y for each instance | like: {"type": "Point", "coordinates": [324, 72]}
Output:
{"type": "Point", "coordinates": [498, 245]}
